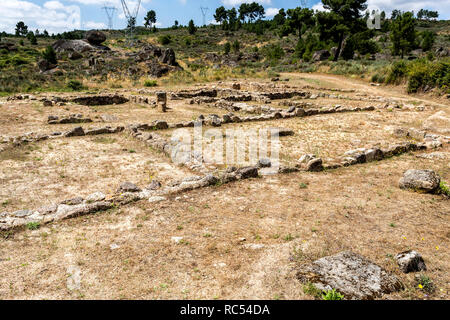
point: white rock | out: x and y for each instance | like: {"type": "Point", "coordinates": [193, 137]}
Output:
{"type": "Point", "coordinates": [156, 199]}
{"type": "Point", "coordinates": [177, 239]}
{"type": "Point", "coordinates": [94, 197]}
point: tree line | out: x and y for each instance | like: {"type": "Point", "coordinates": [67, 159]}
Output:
{"type": "Point", "coordinates": [343, 25]}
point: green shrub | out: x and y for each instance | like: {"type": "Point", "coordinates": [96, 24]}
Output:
{"type": "Point", "coordinates": [397, 72]}
{"type": "Point", "coordinates": [273, 52]}
{"type": "Point", "coordinates": [332, 295]}
{"type": "Point", "coordinates": [424, 73]}
{"type": "Point", "coordinates": [236, 46]}
{"type": "Point", "coordinates": [150, 83]}
{"type": "Point", "coordinates": [49, 54]}
{"type": "Point", "coordinates": [378, 78]}
{"type": "Point", "coordinates": [75, 85]}
{"type": "Point", "coordinates": [419, 76]}
{"type": "Point", "coordinates": [305, 48]}
{"type": "Point", "coordinates": [227, 48]}
{"type": "Point", "coordinates": [427, 40]}
{"type": "Point", "coordinates": [444, 188]}
{"type": "Point", "coordinates": [164, 40]}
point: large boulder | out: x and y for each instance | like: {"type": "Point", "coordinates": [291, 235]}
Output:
{"type": "Point", "coordinates": [321, 55]}
{"type": "Point", "coordinates": [168, 57]}
{"type": "Point", "coordinates": [420, 180]}
{"type": "Point", "coordinates": [79, 46]}
{"type": "Point", "coordinates": [351, 274]}
{"type": "Point", "coordinates": [95, 37]}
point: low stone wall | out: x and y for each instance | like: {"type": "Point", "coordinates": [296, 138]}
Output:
{"type": "Point", "coordinates": [8, 142]}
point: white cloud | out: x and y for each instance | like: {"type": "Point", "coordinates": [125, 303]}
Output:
{"type": "Point", "coordinates": [270, 12]}
{"type": "Point", "coordinates": [318, 7]}
{"type": "Point", "coordinates": [94, 25]}
{"type": "Point", "coordinates": [52, 15]}
{"type": "Point", "coordinates": [442, 6]}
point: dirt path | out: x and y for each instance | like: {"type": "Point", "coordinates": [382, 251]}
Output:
{"type": "Point", "coordinates": [342, 82]}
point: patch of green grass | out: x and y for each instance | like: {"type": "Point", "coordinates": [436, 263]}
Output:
{"type": "Point", "coordinates": [150, 83]}
{"type": "Point", "coordinates": [33, 225]}
{"type": "Point", "coordinates": [303, 185]}
{"type": "Point", "coordinates": [311, 290]}
{"type": "Point", "coordinates": [75, 85]}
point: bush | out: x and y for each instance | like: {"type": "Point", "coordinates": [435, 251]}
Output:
{"type": "Point", "coordinates": [164, 40]}
{"type": "Point", "coordinates": [444, 188]}
{"type": "Point", "coordinates": [397, 72]}
{"type": "Point", "coordinates": [49, 54]}
{"type": "Point", "coordinates": [424, 73]}
{"type": "Point", "coordinates": [427, 40]}
{"type": "Point", "coordinates": [150, 83]}
{"type": "Point", "coordinates": [227, 48]}
{"type": "Point", "coordinates": [75, 85]}
{"type": "Point", "coordinates": [273, 52]}
{"type": "Point", "coordinates": [305, 48]}
{"type": "Point", "coordinates": [378, 78]}
{"type": "Point", "coordinates": [236, 46]}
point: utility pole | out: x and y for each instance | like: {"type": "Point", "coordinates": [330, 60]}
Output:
{"type": "Point", "coordinates": [204, 12]}
{"type": "Point", "coordinates": [110, 15]}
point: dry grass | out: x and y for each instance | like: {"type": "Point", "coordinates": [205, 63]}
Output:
{"type": "Point", "coordinates": [286, 220]}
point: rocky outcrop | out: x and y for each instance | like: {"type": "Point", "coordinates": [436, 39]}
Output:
{"type": "Point", "coordinates": [351, 274]}
{"type": "Point", "coordinates": [168, 57]}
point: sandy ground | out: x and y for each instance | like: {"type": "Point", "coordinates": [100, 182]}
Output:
{"type": "Point", "coordinates": [243, 240]}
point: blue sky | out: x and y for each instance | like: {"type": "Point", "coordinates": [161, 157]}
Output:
{"type": "Point", "coordinates": [63, 15]}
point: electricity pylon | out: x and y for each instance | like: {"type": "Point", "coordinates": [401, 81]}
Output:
{"type": "Point", "coordinates": [110, 15]}
{"type": "Point", "coordinates": [204, 12]}
{"type": "Point", "coordinates": [131, 16]}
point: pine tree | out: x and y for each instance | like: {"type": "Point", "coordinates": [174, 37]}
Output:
{"type": "Point", "coordinates": [192, 29]}
{"type": "Point", "coordinates": [403, 33]}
